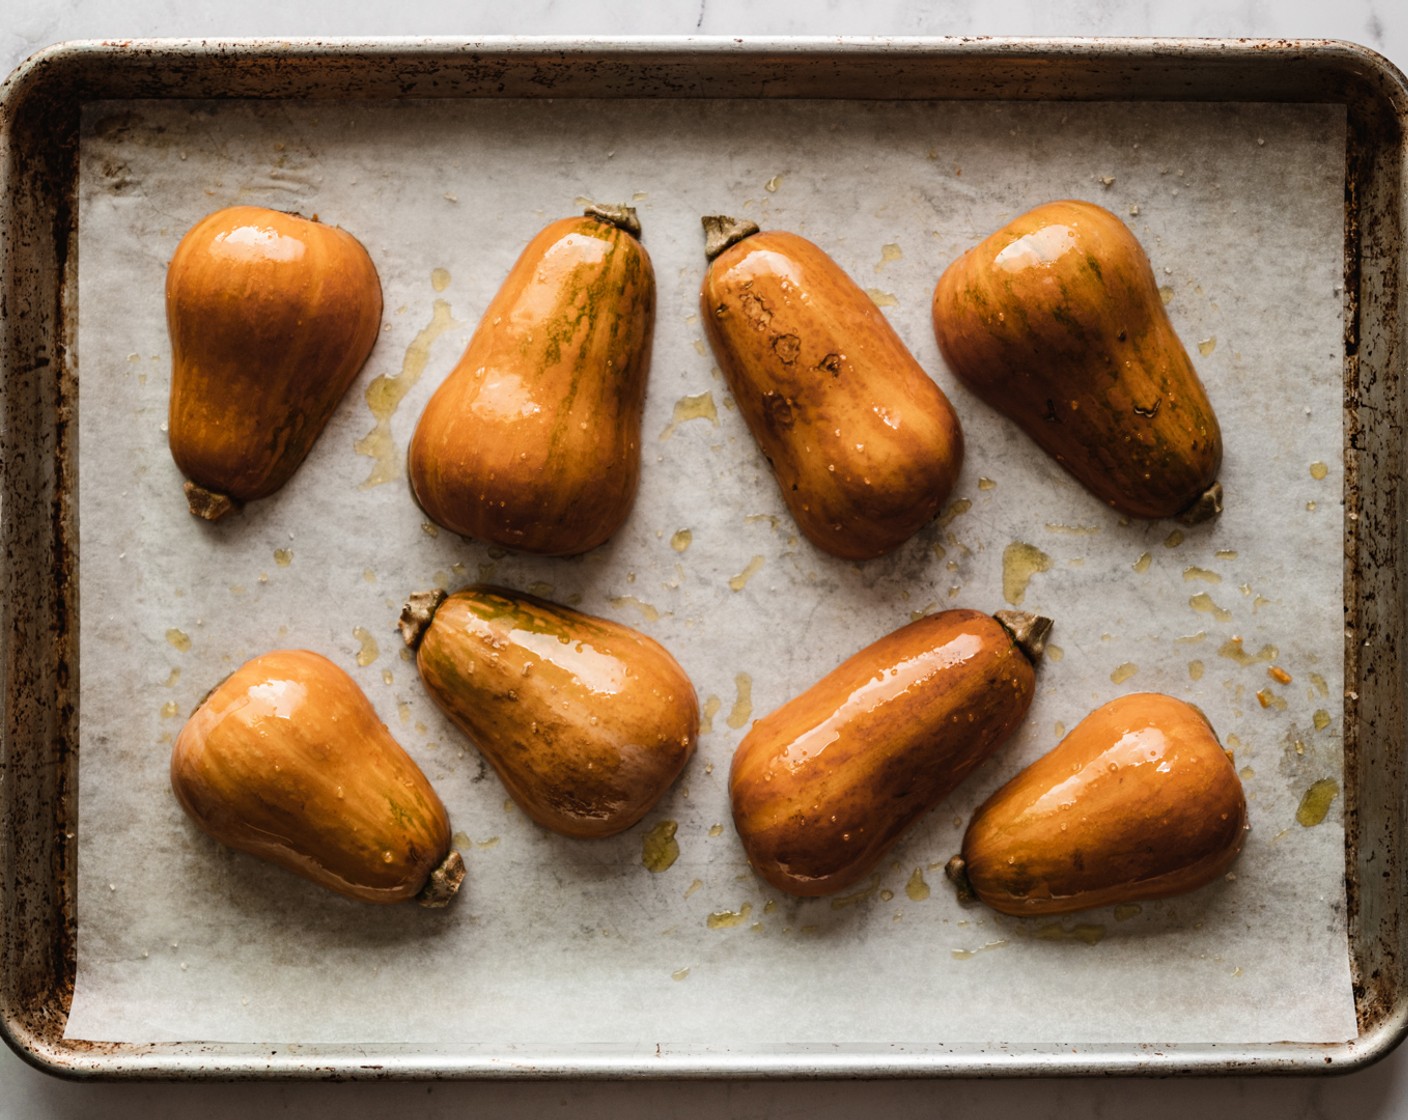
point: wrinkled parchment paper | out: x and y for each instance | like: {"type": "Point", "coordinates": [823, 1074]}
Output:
{"type": "Point", "coordinates": [570, 945]}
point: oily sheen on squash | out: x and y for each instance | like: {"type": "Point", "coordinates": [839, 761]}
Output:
{"type": "Point", "coordinates": [286, 759]}
{"type": "Point", "coordinates": [1139, 801]}
{"type": "Point", "coordinates": [271, 316]}
{"type": "Point", "coordinates": [865, 447]}
{"type": "Point", "coordinates": [824, 786]}
{"type": "Point", "coordinates": [1056, 321]}
{"type": "Point", "coordinates": [586, 721]}
{"type": "Point", "coordinates": [533, 440]}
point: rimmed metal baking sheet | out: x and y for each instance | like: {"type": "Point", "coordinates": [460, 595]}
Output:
{"type": "Point", "coordinates": [43, 107]}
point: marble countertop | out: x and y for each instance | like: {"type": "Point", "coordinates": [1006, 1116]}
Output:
{"type": "Point", "coordinates": [1380, 1091]}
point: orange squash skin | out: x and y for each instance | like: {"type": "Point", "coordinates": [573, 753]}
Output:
{"type": "Point", "coordinates": [1056, 321]}
{"type": "Point", "coordinates": [1139, 801]}
{"type": "Point", "coordinates": [823, 787]}
{"type": "Point", "coordinates": [271, 316]}
{"type": "Point", "coordinates": [864, 445]}
{"type": "Point", "coordinates": [587, 722]}
{"type": "Point", "coordinates": [533, 440]}
{"type": "Point", "coordinates": [287, 760]}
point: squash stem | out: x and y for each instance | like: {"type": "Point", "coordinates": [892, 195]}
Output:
{"type": "Point", "coordinates": [415, 619]}
{"type": "Point", "coordinates": [621, 216]}
{"type": "Point", "coordinates": [208, 504]}
{"type": "Point", "coordinates": [957, 871]}
{"type": "Point", "coordinates": [1029, 631]}
{"type": "Point", "coordinates": [1208, 506]}
{"type": "Point", "coordinates": [444, 881]}
{"type": "Point", "coordinates": [721, 231]}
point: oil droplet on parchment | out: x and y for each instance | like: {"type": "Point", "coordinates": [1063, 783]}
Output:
{"type": "Point", "coordinates": [882, 298]}
{"type": "Point", "coordinates": [707, 714]}
{"type": "Point", "coordinates": [175, 676]}
{"type": "Point", "coordinates": [681, 540]}
{"type": "Point", "coordinates": [743, 705]}
{"type": "Point", "coordinates": [1195, 670]}
{"type": "Point", "coordinates": [679, 974]}
{"type": "Point", "coordinates": [1268, 699]}
{"type": "Point", "coordinates": [1233, 651]}
{"type": "Point", "coordinates": [1174, 539]}
{"type": "Point", "coordinates": [740, 581]}
{"type": "Point", "coordinates": [283, 557]}
{"type": "Point", "coordinates": [1087, 932]}
{"type": "Point", "coordinates": [385, 393]}
{"type": "Point", "coordinates": [170, 710]}
{"type": "Point", "coordinates": [439, 279]}
{"type": "Point", "coordinates": [1126, 910]}
{"type": "Point", "coordinates": [659, 849]}
{"type": "Point", "coordinates": [647, 612]}
{"type": "Point", "coordinates": [772, 184]}
{"type": "Point", "coordinates": [1315, 803]}
{"type": "Point", "coordinates": [1207, 346]}
{"type": "Point", "coordinates": [1202, 601]}
{"type": "Point", "coordinates": [698, 407]}
{"type": "Point", "coordinates": [716, 829]}
{"type": "Point", "coordinates": [1054, 652]}
{"type": "Point", "coordinates": [1318, 470]}
{"type": "Point", "coordinates": [1321, 719]}
{"type": "Point", "coordinates": [917, 889]}
{"type": "Point", "coordinates": [1020, 562]}
{"type": "Point", "coordinates": [969, 954]}
{"type": "Point", "coordinates": [1123, 672]}
{"type": "Point", "coordinates": [956, 508]}
{"type": "Point", "coordinates": [888, 253]}
{"type": "Point", "coordinates": [1142, 564]}
{"type": "Point", "coordinates": [726, 919]}
{"type": "Point", "coordinates": [1320, 684]}
{"type": "Point", "coordinates": [1279, 675]}
{"type": "Point", "coordinates": [1190, 574]}
{"type": "Point", "coordinates": [1166, 294]}
{"type": "Point", "coordinates": [178, 640]}
{"type": "Point", "coordinates": [370, 650]}
{"type": "Point", "coordinates": [986, 484]}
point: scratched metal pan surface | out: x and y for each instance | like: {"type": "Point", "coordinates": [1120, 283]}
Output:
{"type": "Point", "coordinates": [40, 109]}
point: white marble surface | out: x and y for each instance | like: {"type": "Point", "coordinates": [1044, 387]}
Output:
{"type": "Point", "coordinates": [1381, 1091]}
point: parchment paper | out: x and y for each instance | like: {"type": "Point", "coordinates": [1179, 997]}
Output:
{"type": "Point", "coordinates": [570, 944]}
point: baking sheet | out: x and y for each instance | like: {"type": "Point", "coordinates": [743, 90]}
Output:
{"type": "Point", "coordinates": [576, 945]}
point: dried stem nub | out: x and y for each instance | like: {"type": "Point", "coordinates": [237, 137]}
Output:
{"type": "Point", "coordinates": [721, 231]}
{"type": "Point", "coordinates": [444, 881]}
{"type": "Point", "coordinates": [957, 871]}
{"type": "Point", "coordinates": [210, 505]}
{"type": "Point", "coordinates": [621, 216]}
{"type": "Point", "coordinates": [1208, 506]}
{"type": "Point", "coordinates": [420, 608]}
{"type": "Point", "coordinates": [1028, 630]}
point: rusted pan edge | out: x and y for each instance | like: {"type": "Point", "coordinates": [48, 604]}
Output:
{"type": "Point", "coordinates": [39, 110]}
{"type": "Point", "coordinates": [886, 68]}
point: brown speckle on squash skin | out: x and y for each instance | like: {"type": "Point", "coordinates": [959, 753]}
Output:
{"type": "Point", "coordinates": [864, 454]}
{"type": "Point", "coordinates": [1100, 338]}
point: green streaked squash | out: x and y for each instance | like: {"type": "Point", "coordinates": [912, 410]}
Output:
{"type": "Point", "coordinates": [533, 440]}
{"type": "Point", "coordinates": [1056, 321]}
{"type": "Point", "coordinates": [586, 721]}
